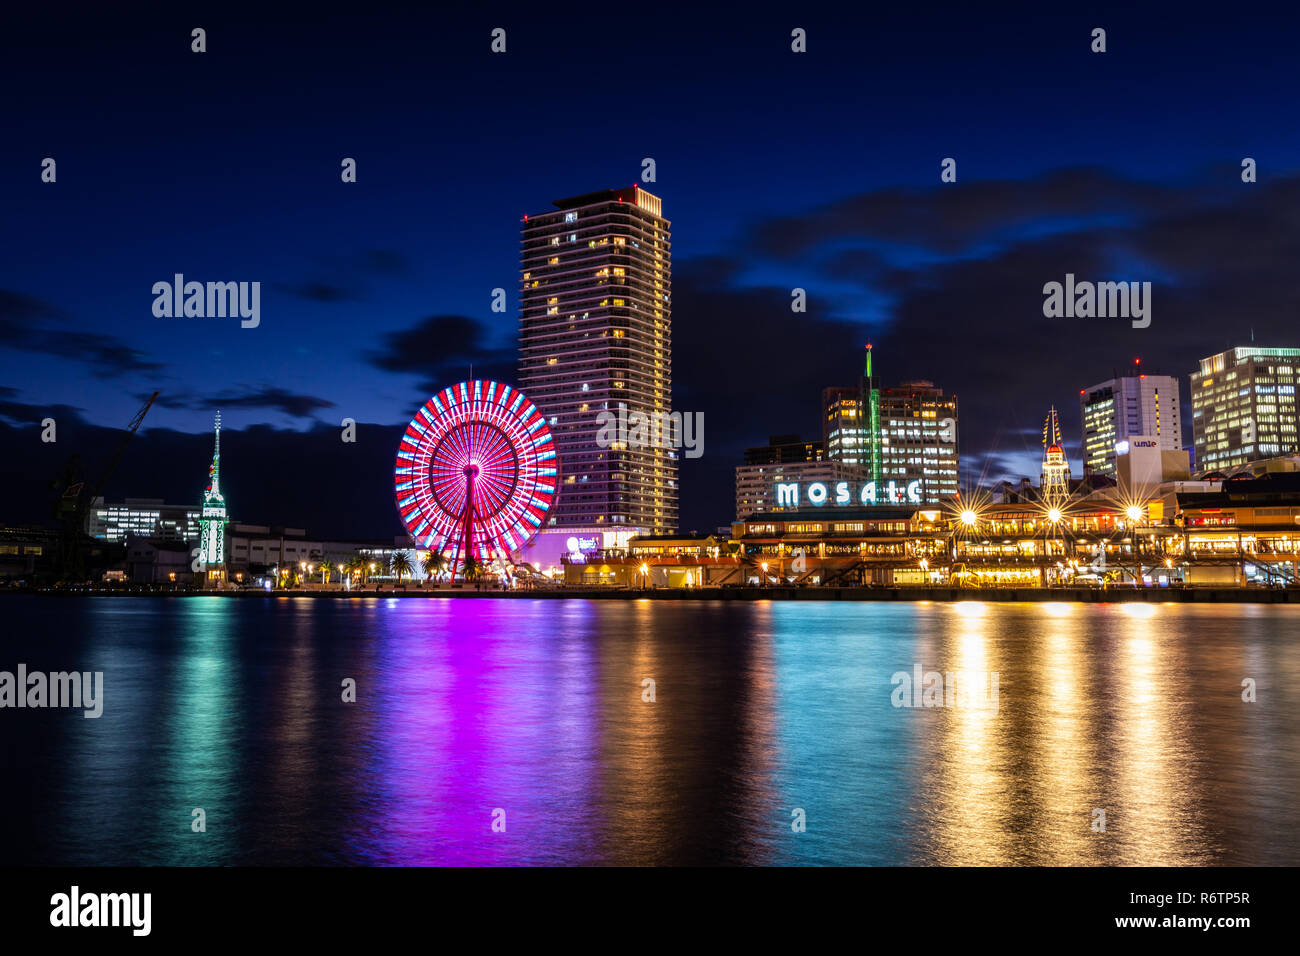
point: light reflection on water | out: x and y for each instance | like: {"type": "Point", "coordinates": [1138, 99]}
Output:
{"type": "Point", "coordinates": [534, 707]}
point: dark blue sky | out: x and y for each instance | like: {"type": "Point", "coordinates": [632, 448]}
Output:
{"type": "Point", "coordinates": [818, 170]}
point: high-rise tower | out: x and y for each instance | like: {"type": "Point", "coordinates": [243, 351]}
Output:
{"type": "Point", "coordinates": [1127, 407]}
{"type": "Point", "coordinates": [897, 434]}
{"type": "Point", "coordinates": [212, 520]}
{"type": "Point", "coordinates": [595, 336]}
{"type": "Point", "coordinates": [1244, 406]}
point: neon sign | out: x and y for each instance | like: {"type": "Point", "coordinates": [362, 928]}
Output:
{"type": "Point", "coordinates": [839, 494]}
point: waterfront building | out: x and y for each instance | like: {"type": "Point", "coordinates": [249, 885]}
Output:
{"type": "Point", "coordinates": [1143, 463]}
{"type": "Point", "coordinates": [1126, 407]}
{"type": "Point", "coordinates": [1244, 407]}
{"type": "Point", "coordinates": [24, 549]}
{"type": "Point", "coordinates": [757, 484]}
{"type": "Point", "coordinates": [144, 518]}
{"type": "Point", "coordinates": [595, 334]}
{"type": "Point", "coordinates": [1242, 531]}
{"type": "Point", "coordinates": [158, 562]}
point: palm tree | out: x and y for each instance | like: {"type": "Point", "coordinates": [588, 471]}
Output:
{"type": "Point", "coordinates": [356, 566]}
{"type": "Point", "coordinates": [401, 564]}
{"type": "Point", "coordinates": [433, 564]}
{"type": "Point", "coordinates": [472, 568]}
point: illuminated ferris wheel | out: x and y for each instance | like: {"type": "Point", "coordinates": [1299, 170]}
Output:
{"type": "Point", "coordinates": [475, 472]}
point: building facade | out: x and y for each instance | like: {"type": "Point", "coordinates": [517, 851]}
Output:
{"type": "Point", "coordinates": [1118, 409]}
{"type": "Point", "coordinates": [785, 449]}
{"type": "Point", "coordinates": [595, 334]}
{"type": "Point", "coordinates": [1237, 532]}
{"type": "Point", "coordinates": [143, 518]}
{"type": "Point", "coordinates": [756, 485]}
{"type": "Point", "coordinates": [918, 439]}
{"type": "Point", "coordinates": [901, 434]}
{"type": "Point", "coordinates": [1244, 407]}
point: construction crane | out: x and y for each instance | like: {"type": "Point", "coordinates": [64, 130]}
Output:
{"type": "Point", "coordinates": [75, 496]}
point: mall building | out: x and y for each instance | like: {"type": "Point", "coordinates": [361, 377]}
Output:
{"type": "Point", "coordinates": [1242, 531]}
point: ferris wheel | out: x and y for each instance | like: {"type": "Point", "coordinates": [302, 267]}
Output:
{"type": "Point", "coordinates": [475, 473]}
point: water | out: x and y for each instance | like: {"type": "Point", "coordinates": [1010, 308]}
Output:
{"type": "Point", "coordinates": [535, 707]}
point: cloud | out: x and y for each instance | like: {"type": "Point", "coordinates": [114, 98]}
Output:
{"type": "Point", "coordinates": [348, 275]}
{"type": "Point", "coordinates": [442, 348]}
{"type": "Point", "coordinates": [949, 218]}
{"type": "Point", "coordinates": [319, 292]}
{"type": "Point", "coordinates": [20, 329]}
{"type": "Point", "coordinates": [264, 397]}
{"type": "Point", "coordinates": [21, 413]}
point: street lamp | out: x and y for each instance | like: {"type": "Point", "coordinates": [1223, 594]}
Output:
{"type": "Point", "coordinates": [645, 575]}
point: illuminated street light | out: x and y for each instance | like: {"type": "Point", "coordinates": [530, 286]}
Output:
{"type": "Point", "coordinates": [1134, 513]}
{"type": "Point", "coordinates": [969, 518]}
{"type": "Point", "coordinates": [1054, 515]}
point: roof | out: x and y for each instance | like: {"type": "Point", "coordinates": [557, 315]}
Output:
{"type": "Point", "coordinates": [627, 194]}
{"type": "Point", "coordinates": [1279, 488]}
{"type": "Point", "coordinates": [833, 513]}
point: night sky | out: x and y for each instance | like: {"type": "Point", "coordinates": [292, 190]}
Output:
{"type": "Point", "coordinates": [777, 170]}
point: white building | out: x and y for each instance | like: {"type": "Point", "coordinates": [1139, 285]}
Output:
{"type": "Point", "coordinates": [756, 484]}
{"type": "Point", "coordinates": [143, 518]}
{"type": "Point", "coordinates": [1118, 409]}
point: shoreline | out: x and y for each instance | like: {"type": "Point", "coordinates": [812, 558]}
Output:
{"type": "Point", "coordinates": [894, 594]}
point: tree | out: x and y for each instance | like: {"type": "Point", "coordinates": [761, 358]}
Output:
{"type": "Point", "coordinates": [473, 570]}
{"type": "Point", "coordinates": [433, 564]}
{"type": "Point", "coordinates": [401, 564]}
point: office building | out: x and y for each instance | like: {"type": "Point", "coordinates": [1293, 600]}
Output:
{"type": "Point", "coordinates": [1130, 406]}
{"type": "Point", "coordinates": [1244, 407]}
{"type": "Point", "coordinates": [143, 518]}
{"type": "Point", "coordinates": [895, 434]}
